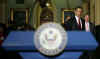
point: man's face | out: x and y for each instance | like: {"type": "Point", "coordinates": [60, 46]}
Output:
{"type": "Point", "coordinates": [78, 12]}
{"type": "Point", "coordinates": [86, 18]}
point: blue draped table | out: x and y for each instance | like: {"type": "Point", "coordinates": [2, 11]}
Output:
{"type": "Point", "coordinates": [24, 41]}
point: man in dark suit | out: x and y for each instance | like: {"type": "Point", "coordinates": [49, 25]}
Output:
{"type": "Point", "coordinates": [89, 27]}
{"type": "Point", "coordinates": [76, 23]}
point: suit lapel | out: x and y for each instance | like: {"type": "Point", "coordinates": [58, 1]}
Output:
{"type": "Point", "coordinates": [83, 24]}
{"type": "Point", "coordinates": [75, 25]}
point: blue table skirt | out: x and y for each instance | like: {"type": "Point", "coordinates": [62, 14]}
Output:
{"type": "Point", "coordinates": [18, 40]}
{"type": "Point", "coordinates": [36, 55]}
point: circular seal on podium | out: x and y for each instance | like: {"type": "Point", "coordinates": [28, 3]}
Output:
{"type": "Point", "coordinates": [50, 39]}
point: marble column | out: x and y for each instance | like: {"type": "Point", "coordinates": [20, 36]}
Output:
{"type": "Point", "coordinates": [3, 11]}
{"type": "Point", "coordinates": [92, 11]}
{"type": "Point", "coordinates": [97, 12]}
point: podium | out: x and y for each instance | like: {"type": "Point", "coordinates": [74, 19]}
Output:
{"type": "Point", "coordinates": [23, 42]}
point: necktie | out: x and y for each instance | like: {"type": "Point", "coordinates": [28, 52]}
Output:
{"type": "Point", "coordinates": [79, 24]}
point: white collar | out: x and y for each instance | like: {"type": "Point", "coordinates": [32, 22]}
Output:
{"type": "Point", "coordinates": [77, 19]}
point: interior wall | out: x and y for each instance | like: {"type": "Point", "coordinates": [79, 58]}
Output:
{"type": "Point", "coordinates": [27, 4]}
{"type": "Point", "coordinates": [6, 4]}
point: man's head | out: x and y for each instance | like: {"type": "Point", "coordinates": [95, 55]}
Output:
{"type": "Point", "coordinates": [78, 11]}
{"type": "Point", "coordinates": [86, 17]}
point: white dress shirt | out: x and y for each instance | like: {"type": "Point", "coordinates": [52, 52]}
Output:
{"type": "Point", "coordinates": [78, 21]}
{"type": "Point", "coordinates": [87, 26]}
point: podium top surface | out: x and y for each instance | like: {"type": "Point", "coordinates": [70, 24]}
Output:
{"type": "Point", "coordinates": [24, 40]}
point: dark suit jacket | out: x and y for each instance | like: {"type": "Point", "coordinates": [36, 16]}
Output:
{"type": "Point", "coordinates": [92, 28]}
{"type": "Point", "coordinates": [72, 24]}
